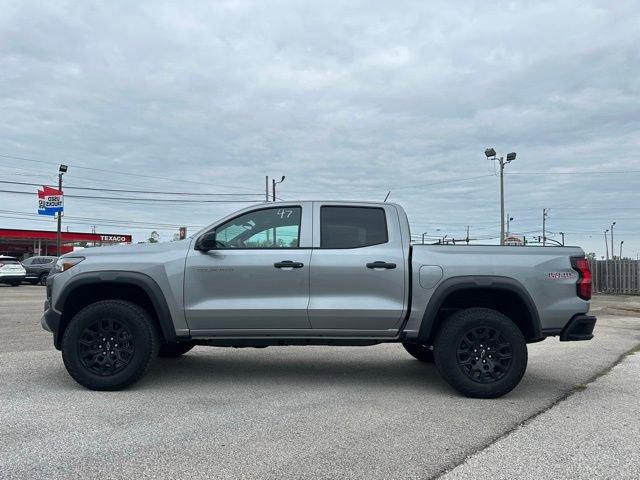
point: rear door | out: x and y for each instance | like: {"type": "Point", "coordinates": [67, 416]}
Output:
{"type": "Point", "coordinates": [257, 279]}
{"type": "Point", "coordinates": [358, 267]}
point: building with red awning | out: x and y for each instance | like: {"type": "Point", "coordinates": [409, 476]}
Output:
{"type": "Point", "coordinates": [26, 243]}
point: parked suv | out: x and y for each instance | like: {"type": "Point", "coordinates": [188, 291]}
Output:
{"type": "Point", "coordinates": [38, 269]}
{"type": "Point", "coordinates": [11, 271]}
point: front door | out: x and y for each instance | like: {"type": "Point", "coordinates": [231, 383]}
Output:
{"type": "Point", "coordinates": [256, 279]}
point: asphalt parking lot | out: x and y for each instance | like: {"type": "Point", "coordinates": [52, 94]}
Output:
{"type": "Point", "coordinates": [280, 412]}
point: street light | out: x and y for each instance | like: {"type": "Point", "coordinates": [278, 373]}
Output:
{"type": "Point", "coordinates": [273, 187]}
{"type": "Point", "coordinates": [62, 169]}
{"type": "Point", "coordinates": [606, 243]}
{"type": "Point", "coordinates": [621, 242]}
{"type": "Point", "coordinates": [613, 255]}
{"type": "Point", "coordinates": [491, 154]}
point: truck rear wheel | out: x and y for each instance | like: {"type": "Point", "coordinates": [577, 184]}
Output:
{"type": "Point", "coordinates": [174, 349]}
{"type": "Point", "coordinates": [109, 344]}
{"type": "Point", "coordinates": [422, 352]}
{"type": "Point", "coordinates": [481, 353]}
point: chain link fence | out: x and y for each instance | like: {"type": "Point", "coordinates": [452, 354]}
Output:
{"type": "Point", "coordinates": [616, 276]}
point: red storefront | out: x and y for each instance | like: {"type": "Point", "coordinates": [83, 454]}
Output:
{"type": "Point", "coordinates": [25, 243]}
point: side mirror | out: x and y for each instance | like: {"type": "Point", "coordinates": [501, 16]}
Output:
{"type": "Point", "coordinates": [206, 242]}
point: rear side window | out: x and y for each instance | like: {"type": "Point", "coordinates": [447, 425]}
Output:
{"type": "Point", "coordinates": [352, 227]}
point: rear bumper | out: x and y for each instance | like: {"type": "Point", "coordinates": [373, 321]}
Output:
{"type": "Point", "coordinates": [580, 327]}
{"type": "Point", "coordinates": [11, 277]}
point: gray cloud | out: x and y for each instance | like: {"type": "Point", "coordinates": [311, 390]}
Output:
{"type": "Point", "coordinates": [348, 99]}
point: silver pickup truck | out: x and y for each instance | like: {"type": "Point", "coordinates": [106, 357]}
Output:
{"type": "Point", "coordinates": [316, 273]}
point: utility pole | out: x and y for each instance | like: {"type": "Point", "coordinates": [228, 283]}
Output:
{"type": "Point", "coordinates": [606, 243]}
{"type": "Point", "coordinates": [467, 239]}
{"type": "Point", "coordinates": [613, 255]}
{"type": "Point", "coordinates": [266, 188]}
{"type": "Point", "coordinates": [544, 227]}
{"type": "Point", "coordinates": [273, 186]}
{"type": "Point", "coordinates": [61, 171]}
{"type": "Point", "coordinates": [490, 153]}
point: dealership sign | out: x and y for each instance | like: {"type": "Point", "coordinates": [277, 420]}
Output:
{"type": "Point", "coordinates": [50, 201]}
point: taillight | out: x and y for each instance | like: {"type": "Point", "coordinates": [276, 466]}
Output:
{"type": "Point", "coordinates": [581, 265]}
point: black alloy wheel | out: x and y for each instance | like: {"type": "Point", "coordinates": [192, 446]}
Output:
{"type": "Point", "coordinates": [484, 355]}
{"type": "Point", "coordinates": [106, 347]}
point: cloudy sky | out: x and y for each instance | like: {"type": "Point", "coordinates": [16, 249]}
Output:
{"type": "Point", "coordinates": [347, 99]}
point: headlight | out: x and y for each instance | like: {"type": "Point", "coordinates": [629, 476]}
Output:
{"type": "Point", "coordinates": [65, 263]}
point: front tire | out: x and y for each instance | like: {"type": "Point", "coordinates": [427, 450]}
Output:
{"type": "Point", "coordinates": [481, 353]}
{"type": "Point", "coordinates": [422, 352]}
{"type": "Point", "coordinates": [109, 345]}
{"type": "Point", "coordinates": [172, 350]}
{"type": "Point", "coordinates": [43, 279]}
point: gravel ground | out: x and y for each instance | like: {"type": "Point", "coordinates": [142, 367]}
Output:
{"type": "Point", "coordinates": [280, 412]}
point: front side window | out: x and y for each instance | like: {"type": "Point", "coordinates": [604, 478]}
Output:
{"type": "Point", "coordinates": [266, 228]}
{"type": "Point", "coordinates": [352, 227]}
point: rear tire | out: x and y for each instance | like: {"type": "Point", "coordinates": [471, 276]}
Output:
{"type": "Point", "coordinates": [422, 352]}
{"type": "Point", "coordinates": [15, 284]}
{"type": "Point", "coordinates": [109, 345]}
{"type": "Point", "coordinates": [481, 353]}
{"type": "Point", "coordinates": [172, 350]}
{"type": "Point", "coordinates": [43, 279]}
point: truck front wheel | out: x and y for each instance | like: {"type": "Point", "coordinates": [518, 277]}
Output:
{"type": "Point", "coordinates": [109, 344]}
{"type": "Point", "coordinates": [481, 353]}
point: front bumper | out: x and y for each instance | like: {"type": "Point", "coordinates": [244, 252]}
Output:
{"type": "Point", "coordinates": [580, 327]}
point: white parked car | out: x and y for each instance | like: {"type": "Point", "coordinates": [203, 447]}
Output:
{"type": "Point", "coordinates": [11, 271]}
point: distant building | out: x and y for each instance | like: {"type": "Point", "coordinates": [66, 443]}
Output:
{"type": "Point", "coordinates": [26, 243]}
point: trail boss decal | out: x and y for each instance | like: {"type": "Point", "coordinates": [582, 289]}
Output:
{"type": "Point", "coordinates": [561, 275]}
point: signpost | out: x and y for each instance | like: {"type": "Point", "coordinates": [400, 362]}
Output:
{"type": "Point", "coordinates": [50, 201]}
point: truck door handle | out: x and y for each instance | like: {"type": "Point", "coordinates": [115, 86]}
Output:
{"type": "Point", "coordinates": [379, 264]}
{"type": "Point", "coordinates": [288, 264]}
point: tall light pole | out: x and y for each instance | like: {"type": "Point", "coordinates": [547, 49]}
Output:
{"type": "Point", "coordinates": [509, 219]}
{"type": "Point", "coordinates": [621, 242]}
{"type": "Point", "coordinates": [423, 235]}
{"type": "Point", "coordinates": [273, 186]}
{"type": "Point", "coordinates": [266, 188]}
{"type": "Point", "coordinates": [606, 242]}
{"type": "Point", "coordinates": [544, 227]}
{"type": "Point", "coordinates": [490, 153]}
{"type": "Point", "coordinates": [613, 255]}
{"type": "Point", "coordinates": [61, 171]}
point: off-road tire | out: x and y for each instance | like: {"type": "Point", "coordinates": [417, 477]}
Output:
{"type": "Point", "coordinates": [140, 331]}
{"type": "Point", "coordinates": [174, 349]}
{"type": "Point", "coordinates": [422, 352]}
{"type": "Point", "coordinates": [466, 374]}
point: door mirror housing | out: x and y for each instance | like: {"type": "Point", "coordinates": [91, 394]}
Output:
{"type": "Point", "coordinates": [206, 242]}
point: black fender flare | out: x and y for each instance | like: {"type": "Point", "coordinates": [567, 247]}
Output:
{"type": "Point", "coordinates": [454, 284]}
{"type": "Point", "coordinates": [145, 282]}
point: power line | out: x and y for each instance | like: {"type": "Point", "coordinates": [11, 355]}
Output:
{"type": "Point", "coordinates": [137, 199]}
{"type": "Point", "coordinates": [115, 172]}
{"type": "Point", "coordinates": [136, 191]}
